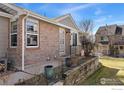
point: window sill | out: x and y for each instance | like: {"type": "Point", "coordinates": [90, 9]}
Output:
{"type": "Point", "coordinates": [13, 47]}
{"type": "Point", "coordinates": [32, 46]}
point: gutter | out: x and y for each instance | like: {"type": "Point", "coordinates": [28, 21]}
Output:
{"type": "Point", "coordinates": [25, 11]}
{"type": "Point", "coordinates": [48, 20]}
{"type": "Point", "coordinates": [6, 15]}
{"type": "Point", "coordinates": [23, 41]}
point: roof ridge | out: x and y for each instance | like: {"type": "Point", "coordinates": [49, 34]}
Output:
{"type": "Point", "coordinates": [111, 28]}
{"type": "Point", "coordinates": [62, 16]}
{"type": "Point", "coordinates": [109, 25]}
{"type": "Point", "coordinates": [67, 15]}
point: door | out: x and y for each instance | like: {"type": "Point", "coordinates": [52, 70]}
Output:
{"type": "Point", "coordinates": [4, 26]}
{"type": "Point", "coordinates": [61, 42]}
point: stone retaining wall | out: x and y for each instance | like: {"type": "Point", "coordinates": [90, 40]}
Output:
{"type": "Point", "coordinates": [76, 75]}
{"type": "Point", "coordinates": [73, 77]}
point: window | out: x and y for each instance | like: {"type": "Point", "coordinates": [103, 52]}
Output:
{"type": "Point", "coordinates": [32, 30]}
{"type": "Point", "coordinates": [61, 41]}
{"type": "Point", "coordinates": [118, 31]}
{"type": "Point", "coordinates": [104, 38]}
{"type": "Point", "coordinates": [74, 39]}
{"type": "Point", "coordinates": [13, 34]}
{"type": "Point", "coordinates": [14, 40]}
{"type": "Point", "coordinates": [31, 40]}
{"type": "Point", "coordinates": [121, 47]}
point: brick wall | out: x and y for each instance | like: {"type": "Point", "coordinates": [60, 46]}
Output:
{"type": "Point", "coordinates": [15, 54]}
{"type": "Point", "coordinates": [48, 44]}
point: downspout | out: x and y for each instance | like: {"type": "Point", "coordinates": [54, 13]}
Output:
{"type": "Point", "coordinates": [23, 41]}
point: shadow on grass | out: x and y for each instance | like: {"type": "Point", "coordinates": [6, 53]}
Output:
{"type": "Point", "coordinates": [103, 72]}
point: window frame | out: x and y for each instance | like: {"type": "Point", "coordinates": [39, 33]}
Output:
{"type": "Point", "coordinates": [121, 47]}
{"type": "Point", "coordinates": [118, 31]}
{"type": "Point", "coordinates": [14, 33]}
{"type": "Point", "coordinates": [31, 33]}
{"type": "Point", "coordinates": [74, 35]}
{"type": "Point", "coordinates": [104, 39]}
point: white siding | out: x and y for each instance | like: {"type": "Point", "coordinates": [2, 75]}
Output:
{"type": "Point", "coordinates": [68, 22]}
{"type": "Point", "coordinates": [61, 42]}
{"type": "Point", "coordinates": [3, 36]}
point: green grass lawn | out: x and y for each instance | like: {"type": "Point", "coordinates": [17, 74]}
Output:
{"type": "Point", "coordinates": [113, 68]}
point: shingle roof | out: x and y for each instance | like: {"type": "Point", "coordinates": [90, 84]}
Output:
{"type": "Point", "coordinates": [68, 14]}
{"type": "Point", "coordinates": [107, 30]}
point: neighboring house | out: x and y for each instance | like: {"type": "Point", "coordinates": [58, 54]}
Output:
{"type": "Point", "coordinates": [27, 38]}
{"type": "Point", "coordinates": [75, 42]}
{"type": "Point", "coordinates": [110, 36]}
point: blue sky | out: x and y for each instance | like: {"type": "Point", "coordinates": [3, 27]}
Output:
{"type": "Point", "coordinates": [102, 14]}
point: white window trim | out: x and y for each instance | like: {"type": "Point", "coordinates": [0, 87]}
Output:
{"type": "Point", "coordinates": [10, 40]}
{"type": "Point", "coordinates": [60, 52]}
{"type": "Point", "coordinates": [11, 34]}
{"type": "Point", "coordinates": [27, 33]}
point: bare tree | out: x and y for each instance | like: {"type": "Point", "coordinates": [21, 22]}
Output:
{"type": "Point", "coordinates": [86, 25]}
{"type": "Point", "coordinates": [87, 37]}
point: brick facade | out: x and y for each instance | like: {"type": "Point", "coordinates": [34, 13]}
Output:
{"type": "Point", "coordinates": [15, 54]}
{"type": "Point", "coordinates": [48, 44]}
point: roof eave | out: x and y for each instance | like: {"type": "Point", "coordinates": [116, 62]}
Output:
{"type": "Point", "coordinates": [30, 13]}
{"type": "Point", "coordinates": [6, 15]}
{"type": "Point", "coordinates": [47, 20]}
{"type": "Point", "coordinates": [65, 16]}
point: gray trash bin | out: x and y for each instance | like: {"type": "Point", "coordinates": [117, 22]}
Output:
{"type": "Point", "coordinates": [49, 72]}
